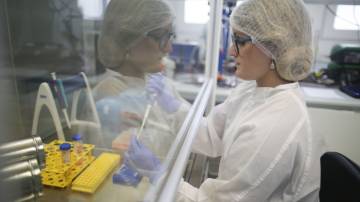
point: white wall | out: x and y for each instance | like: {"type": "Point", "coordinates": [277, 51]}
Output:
{"type": "Point", "coordinates": [340, 129]}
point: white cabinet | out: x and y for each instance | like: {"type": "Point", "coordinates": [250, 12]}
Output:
{"type": "Point", "coordinates": [340, 128]}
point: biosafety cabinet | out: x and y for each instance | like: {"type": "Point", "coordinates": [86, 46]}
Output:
{"type": "Point", "coordinates": [81, 79]}
{"type": "Point", "coordinates": [74, 77]}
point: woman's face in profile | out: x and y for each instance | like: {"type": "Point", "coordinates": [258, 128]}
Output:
{"type": "Point", "coordinates": [148, 53]}
{"type": "Point", "coordinates": [251, 62]}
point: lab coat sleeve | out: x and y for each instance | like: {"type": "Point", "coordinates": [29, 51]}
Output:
{"type": "Point", "coordinates": [178, 117]}
{"type": "Point", "coordinates": [243, 187]}
{"type": "Point", "coordinates": [209, 138]}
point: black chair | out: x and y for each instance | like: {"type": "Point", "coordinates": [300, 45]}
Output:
{"type": "Point", "coordinates": [340, 179]}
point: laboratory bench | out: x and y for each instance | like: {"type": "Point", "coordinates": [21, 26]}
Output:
{"type": "Point", "coordinates": [106, 191]}
{"type": "Point", "coordinates": [315, 95]}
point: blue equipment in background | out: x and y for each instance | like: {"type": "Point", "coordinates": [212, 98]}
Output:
{"type": "Point", "coordinates": [185, 55]}
{"type": "Point", "coordinates": [229, 5]}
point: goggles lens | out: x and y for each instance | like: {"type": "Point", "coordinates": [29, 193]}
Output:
{"type": "Point", "coordinates": [240, 41]}
{"type": "Point", "coordinates": [161, 36]}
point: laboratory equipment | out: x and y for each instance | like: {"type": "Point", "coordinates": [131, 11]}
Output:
{"type": "Point", "coordinates": [126, 176]}
{"type": "Point", "coordinates": [60, 94]}
{"type": "Point", "coordinates": [45, 98]}
{"type": "Point", "coordinates": [59, 174]}
{"type": "Point", "coordinates": [68, 194]}
{"type": "Point", "coordinates": [146, 115]}
{"type": "Point", "coordinates": [65, 152]}
{"type": "Point", "coordinates": [225, 33]}
{"type": "Point", "coordinates": [23, 150]}
{"type": "Point", "coordinates": [352, 90]}
{"type": "Point", "coordinates": [185, 55]}
{"type": "Point", "coordinates": [20, 167]}
{"type": "Point", "coordinates": [77, 143]}
{"type": "Point", "coordinates": [77, 84]}
{"type": "Point", "coordinates": [344, 68]}
{"type": "Point", "coordinates": [61, 87]}
{"type": "Point", "coordinates": [346, 54]}
{"type": "Point", "coordinates": [24, 174]}
{"type": "Point", "coordinates": [151, 100]}
{"type": "Point", "coordinates": [95, 174]}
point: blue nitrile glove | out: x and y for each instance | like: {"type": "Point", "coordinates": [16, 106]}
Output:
{"type": "Point", "coordinates": [155, 85]}
{"type": "Point", "coordinates": [126, 176]}
{"type": "Point", "coordinates": [143, 160]}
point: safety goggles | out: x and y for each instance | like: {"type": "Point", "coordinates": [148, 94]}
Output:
{"type": "Point", "coordinates": [161, 36]}
{"type": "Point", "coordinates": [240, 41]}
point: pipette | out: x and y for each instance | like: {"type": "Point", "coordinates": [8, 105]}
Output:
{"type": "Point", "coordinates": [146, 115]}
{"type": "Point", "coordinates": [60, 93]}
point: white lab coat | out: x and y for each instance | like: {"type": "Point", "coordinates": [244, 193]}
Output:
{"type": "Point", "coordinates": [161, 127]}
{"type": "Point", "coordinates": [112, 83]}
{"type": "Point", "coordinates": [267, 148]}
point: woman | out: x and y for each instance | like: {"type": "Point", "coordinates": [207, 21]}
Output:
{"type": "Point", "coordinates": [262, 131]}
{"type": "Point", "coordinates": [134, 38]}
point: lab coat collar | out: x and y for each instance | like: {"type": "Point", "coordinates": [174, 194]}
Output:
{"type": "Point", "coordinates": [287, 86]}
{"type": "Point", "coordinates": [260, 94]}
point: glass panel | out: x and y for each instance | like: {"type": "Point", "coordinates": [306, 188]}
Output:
{"type": "Point", "coordinates": [113, 72]}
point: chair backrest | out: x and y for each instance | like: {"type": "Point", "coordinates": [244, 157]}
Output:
{"type": "Point", "coordinates": [340, 178]}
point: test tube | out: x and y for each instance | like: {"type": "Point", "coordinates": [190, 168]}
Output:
{"type": "Point", "coordinates": [65, 149]}
{"type": "Point", "coordinates": [78, 147]}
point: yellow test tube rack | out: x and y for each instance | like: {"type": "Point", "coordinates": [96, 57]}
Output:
{"type": "Point", "coordinates": [96, 173]}
{"type": "Point", "coordinates": [60, 174]}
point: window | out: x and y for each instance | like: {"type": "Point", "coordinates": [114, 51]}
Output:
{"type": "Point", "coordinates": [196, 11]}
{"type": "Point", "coordinates": [347, 17]}
{"type": "Point", "coordinates": [91, 9]}
{"type": "Point", "coordinates": [239, 3]}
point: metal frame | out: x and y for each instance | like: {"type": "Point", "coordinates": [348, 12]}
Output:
{"type": "Point", "coordinates": [169, 190]}
{"type": "Point", "coordinates": [175, 148]}
{"type": "Point", "coordinates": [213, 45]}
{"type": "Point", "coordinates": [166, 189]}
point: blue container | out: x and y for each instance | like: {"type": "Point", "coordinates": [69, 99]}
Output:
{"type": "Point", "coordinates": [126, 176]}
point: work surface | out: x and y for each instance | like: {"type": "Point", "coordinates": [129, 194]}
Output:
{"type": "Point", "coordinates": [106, 192]}
{"type": "Point", "coordinates": [315, 96]}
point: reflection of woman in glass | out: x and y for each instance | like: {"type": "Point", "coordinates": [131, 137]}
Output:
{"type": "Point", "coordinates": [135, 36]}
